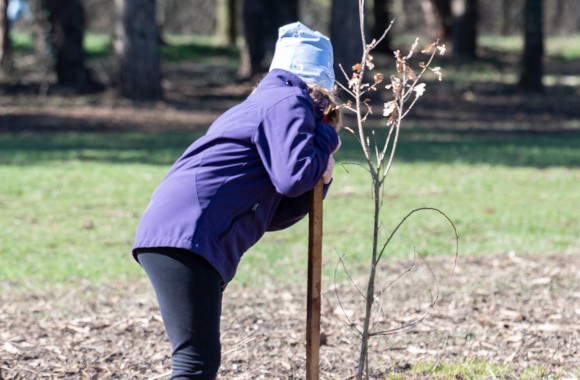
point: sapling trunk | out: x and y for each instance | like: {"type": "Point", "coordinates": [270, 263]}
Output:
{"type": "Point", "coordinates": [370, 295]}
{"type": "Point", "coordinates": [405, 88]}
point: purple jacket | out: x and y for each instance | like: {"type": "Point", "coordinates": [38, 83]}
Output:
{"type": "Point", "coordinates": [251, 173]}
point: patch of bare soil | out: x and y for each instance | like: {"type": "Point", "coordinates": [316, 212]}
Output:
{"type": "Point", "coordinates": [511, 310]}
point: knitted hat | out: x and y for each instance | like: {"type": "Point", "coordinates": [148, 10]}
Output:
{"type": "Point", "coordinates": [305, 53]}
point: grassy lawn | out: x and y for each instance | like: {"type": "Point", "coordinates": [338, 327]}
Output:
{"type": "Point", "coordinates": [196, 46]}
{"type": "Point", "coordinates": [70, 202]}
{"type": "Point", "coordinates": [204, 49]}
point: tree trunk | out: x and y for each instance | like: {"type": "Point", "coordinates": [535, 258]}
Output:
{"type": "Point", "coordinates": [445, 18]}
{"type": "Point", "coordinates": [137, 49]}
{"type": "Point", "coordinates": [559, 19]}
{"type": "Point", "coordinates": [161, 19]}
{"type": "Point", "coordinates": [40, 31]}
{"type": "Point", "coordinates": [465, 28]}
{"type": "Point", "coordinates": [532, 69]}
{"type": "Point", "coordinates": [345, 37]}
{"type": "Point", "coordinates": [432, 24]}
{"type": "Point", "coordinates": [399, 9]}
{"type": "Point", "coordinates": [381, 22]}
{"type": "Point", "coordinates": [262, 18]}
{"type": "Point", "coordinates": [66, 33]}
{"type": "Point", "coordinates": [226, 22]}
{"type": "Point", "coordinates": [6, 64]}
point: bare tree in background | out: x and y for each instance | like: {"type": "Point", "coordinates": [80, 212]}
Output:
{"type": "Point", "coordinates": [5, 45]}
{"type": "Point", "coordinates": [261, 19]}
{"type": "Point", "coordinates": [226, 24]}
{"type": "Point", "coordinates": [137, 49]}
{"type": "Point", "coordinates": [532, 69]}
{"type": "Point", "coordinates": [465, 18]}
{"type": "Point", "coordinates": [445, 17]}
{"type": "Point", "coordinates": [66, 33]}
{"type": "Point", "coordinates": [344, 26]}
{"type": "Point", "coordinates": [382, 19]}
{"type": "Point", "coordinates": [506, 6]}
{"type": "Point", "coordinates": [40, 31]}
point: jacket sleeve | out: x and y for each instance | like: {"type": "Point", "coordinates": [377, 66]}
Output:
{"type": "Point", "coordinates": [293, 147]}
{"type": "Point", "coordinates": [292, 210]}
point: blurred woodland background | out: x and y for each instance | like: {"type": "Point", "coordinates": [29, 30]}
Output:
{"type": "Point", "coordinates": [136, 31]}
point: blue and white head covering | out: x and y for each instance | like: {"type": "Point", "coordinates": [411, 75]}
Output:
{"type": "Point", "coordinates": [305, 53]}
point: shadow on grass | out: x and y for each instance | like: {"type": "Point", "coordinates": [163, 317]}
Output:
{"type": "Point", "coordinates": [521, 148]}
{"type": "Point", "coordinates": [539, 149]}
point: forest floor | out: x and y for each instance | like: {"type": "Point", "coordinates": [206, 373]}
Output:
{"type": "Point", "coordinates": [515, 315]}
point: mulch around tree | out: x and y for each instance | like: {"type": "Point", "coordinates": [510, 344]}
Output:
{"type": "Point", "coordinates": [513, 311]}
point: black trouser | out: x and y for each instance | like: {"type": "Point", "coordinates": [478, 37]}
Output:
{"type": "Point", "coordinates": [189, 292]}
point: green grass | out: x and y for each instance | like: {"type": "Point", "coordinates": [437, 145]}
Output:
{"type": "Point", "coordinates": [202, 49]}
{"type": "Point", "coordinates": [96, 45]}
{"type": "Point", "coordinates": [472, 369]}
{"type": "Point", "coordinates": [467, 369]}
{"type": "Point", "coordinates": [567, 47]}
{"type": "Point", "coordinates": [180, 47]}
{"type": "Point", "coordinates": [69, 203]}
{"type": "Point", "coordinates": [21, 41]}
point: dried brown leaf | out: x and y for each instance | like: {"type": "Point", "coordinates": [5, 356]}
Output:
{"type": "Point", "coordinates": [401, 66]}
{"type": "Point", "coordinates": [429, 48]}
{"type": "Point", "coordinates": [419, 89]}
{"type": "Point", "coordinates": [400, 62]}
{"type": "Point", "coordinates": [437, 71]}
{"type": "Point", "coordinates": [410, 74]}
{"type": "Point", "coordinates": [396, 85]}
{"type": "Point", "coordinates": [369, 62]}
{"type": "Point", "coordinates": [394, 117]}
{"type": "Point", "coordinates": [389, 108]}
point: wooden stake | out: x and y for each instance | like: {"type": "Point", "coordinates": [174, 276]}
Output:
{"type": "Point", "coordinates": [314, 284]}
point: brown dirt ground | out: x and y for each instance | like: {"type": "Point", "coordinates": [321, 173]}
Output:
{"type": "Point", "coordinates": [512, 311]}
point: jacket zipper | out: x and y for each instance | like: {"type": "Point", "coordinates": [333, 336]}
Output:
{"type": "Point", "coordinates": [236, 218]}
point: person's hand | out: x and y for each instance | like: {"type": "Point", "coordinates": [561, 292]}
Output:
{"type": "Point", "coordinates": [327, 176]}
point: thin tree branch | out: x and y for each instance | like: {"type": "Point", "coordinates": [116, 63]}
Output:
{"type": "Point", "coordinates": [351, 324]}
{"type": "Point", "coordinates": [416, 322]}
{"type": "Point", "coordinates": [418, 210]}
